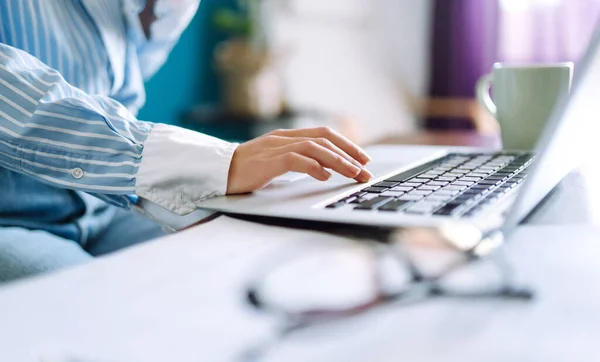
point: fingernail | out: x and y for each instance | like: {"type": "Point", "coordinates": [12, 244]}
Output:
{"type": "Point", "coordinates": [354, 169]}
{"type": "Point", "coordinates": [326, 174]}
{"type": "Point", "coordinates": [364, 158]}
{"type": "Point", "coordinates": [365, 176]}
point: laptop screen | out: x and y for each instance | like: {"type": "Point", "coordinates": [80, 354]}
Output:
{"type": "Point", "coordinates": [569, 136]}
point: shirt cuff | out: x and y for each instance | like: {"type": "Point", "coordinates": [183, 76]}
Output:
{"type": "Point", "coordinates": [180, 168]}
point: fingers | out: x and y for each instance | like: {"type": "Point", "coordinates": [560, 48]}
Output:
{"type": "Point", "coordinates": [364, 174]}
{"type": "Point", "coordinates": [255, 163]}
{"type": "Point", "coordinates": [324, 132]}
{"type": "Point", "coordinates": [279, 141]}
{"type": "Point", "coordinates": [296, 162]}
{"type": "Point", "coordinates": [324, 156]}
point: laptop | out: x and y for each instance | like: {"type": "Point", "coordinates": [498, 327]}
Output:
{"type": "Point", "coordinates": [427, 186]}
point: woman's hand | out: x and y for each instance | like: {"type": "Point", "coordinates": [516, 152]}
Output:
{"type": "Point", "coordinates": [257, 162]}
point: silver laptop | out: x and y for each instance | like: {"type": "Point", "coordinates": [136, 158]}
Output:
{"type": "Point", "coordinates": [427, 186]}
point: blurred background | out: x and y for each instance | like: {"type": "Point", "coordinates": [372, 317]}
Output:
{"type": "Point", "coordinates": [368, 68]}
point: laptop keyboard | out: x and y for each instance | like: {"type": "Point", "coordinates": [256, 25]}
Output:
{"type": "Point", "coordinates": [457, 185]}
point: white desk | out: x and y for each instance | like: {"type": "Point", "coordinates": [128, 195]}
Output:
{"type": "Point", "coordinates": [180, 299]}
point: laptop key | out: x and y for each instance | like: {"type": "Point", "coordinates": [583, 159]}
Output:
{"type": "Point", "coordinates": [463, 183]}
{"type": "Point", "coordinates": [350, 199]}
{"type": "Point", "coordinates": [335, 205]}
{"type": "Point", "coordinates": [479, 186]}
{"type": "Point", "coordinates": [439, 197]}
{"type": "Point", "coordinates": [449, 209]}
{"type": "Point", "coordinates": [497, 180]}
{"type": "Point", "coordinates": [401, 188]}
{"type": "Point", "coordinates": [447, 192]}
{"type": "Point", "coordinates": [364, 198]}
{"type": "Point", "coordinates": [504, 187]}
{"type": "Point", "coordinates": [477, 174]}
{"type": "Point", "coordinates": [392, 193]}
{"type": "Point", "coordinates": [488, 182]}
{"type": "Point", "coordinates": [496, 177]}
{"type": "Point", "coordinates": [376, 190]}
{"type": "Point", "coordinates": [395, 205]}
{"type": "Point", "coordinates": [455, 187]}
{"type": "Point", "coordinates": [472, 192]}
{"type": "Point", "coordinates": [411, 184]}
{"type": "Point", "coordinates": [402, 177]}
{"type": "Point", "coordinates": [420, 192]}
{"type": "Point", "coordinates": [471, 179]}
{"type": "Point", "coordinates": [386, 184]}
{"type": "Point", "coordinates": [462, 170]}
{"type": "Point", "coordinates": [475, 197]}
{"type": "Point", "coordinates": [437, 183]}
{"type": "Point", "coordinates": [445, 178]}
{"type": "Point", "coordinates": [482, 191]}
{"type": "Point", "coordinates": [373, 203]}
{"type": "Point", "coordinates": [411, 197]}
{"type": "Point", "coordinates": [419, 180]}
{"type": "Point", "coordinates": [465, 200]}
{"type": "Point", "coordinates": [423, 207]}
{"type": "Point", "coordinates": [429, 187]}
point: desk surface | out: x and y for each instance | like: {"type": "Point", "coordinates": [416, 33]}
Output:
{"type": "Point", "coordinates": [181, 298]}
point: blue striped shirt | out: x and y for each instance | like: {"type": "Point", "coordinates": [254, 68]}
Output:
{"type": "Point", "coordinates": [71, 83]}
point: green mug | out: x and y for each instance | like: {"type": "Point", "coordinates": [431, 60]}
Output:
{"type": "Point", "coordinates": [524, 97]}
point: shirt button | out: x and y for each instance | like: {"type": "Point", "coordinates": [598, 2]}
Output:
{"type": "Point", "coordinates": [77, 173]}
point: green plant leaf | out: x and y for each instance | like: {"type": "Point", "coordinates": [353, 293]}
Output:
{"type": "Point", "coordinates": [233, 22]}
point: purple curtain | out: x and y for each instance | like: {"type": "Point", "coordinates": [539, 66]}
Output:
{"type": "Point", "coordinates": [546, 32]}
{"type": "Point", "coordinates": [469, 35]}
{"type": "Point", "coordinates": [464, 48]}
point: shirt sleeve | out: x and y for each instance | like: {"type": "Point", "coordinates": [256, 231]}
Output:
{"type": "Point", "coordinates": [172, 18]}
{"type": "Point", "coordinates": [60, 135]}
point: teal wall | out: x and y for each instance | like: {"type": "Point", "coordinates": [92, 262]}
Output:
{"type": "Point", "coordinates": [188, 77]}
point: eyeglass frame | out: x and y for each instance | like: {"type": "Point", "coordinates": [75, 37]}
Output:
{"type": "Point", "coordinates": [380, 243]}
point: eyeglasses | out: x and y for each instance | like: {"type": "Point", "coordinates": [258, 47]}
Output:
{"type": "Point", "coordinates": [329, 283]}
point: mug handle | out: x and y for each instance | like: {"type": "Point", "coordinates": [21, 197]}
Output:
{"type": "Point", "coordinates": [483, 94]}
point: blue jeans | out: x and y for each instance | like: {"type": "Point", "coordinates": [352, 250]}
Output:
{"type": "Point", "coordinates": [51, 228]}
